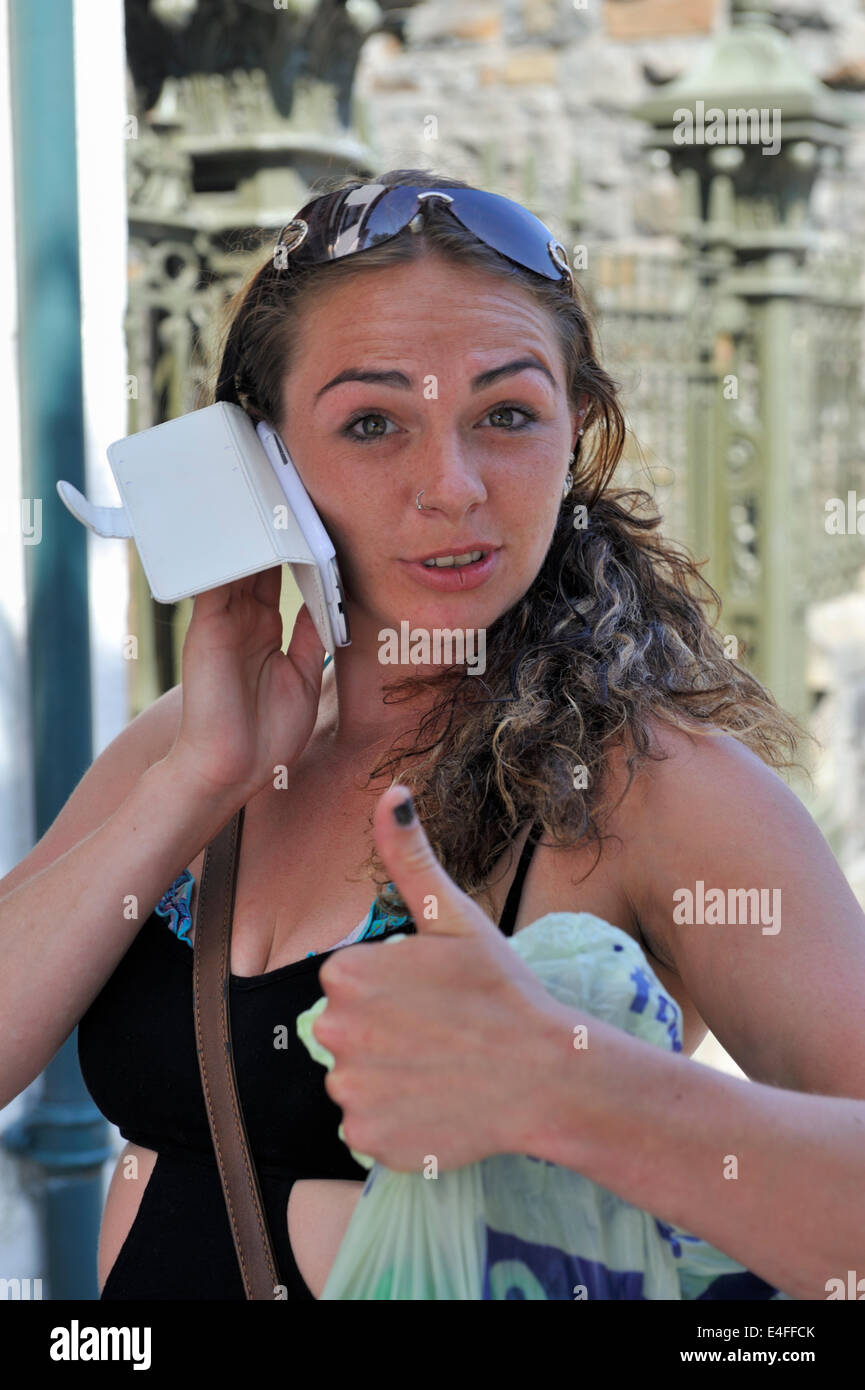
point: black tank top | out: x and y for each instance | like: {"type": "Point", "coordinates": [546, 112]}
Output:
{"type": "Point", "coordinates": [136, 1047]}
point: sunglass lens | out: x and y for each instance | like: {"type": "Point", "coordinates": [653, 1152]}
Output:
{"type": "Point", "coordinates": [507, 227]}
{"type": "Point", "coordinates": [357, 219]}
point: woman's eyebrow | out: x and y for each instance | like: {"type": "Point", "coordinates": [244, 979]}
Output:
{"type": "Point", "coordinates": [405, 383]}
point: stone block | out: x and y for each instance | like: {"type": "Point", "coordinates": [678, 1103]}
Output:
{"type": "Point", "coordinates": [443, 21]}
{"type": "Point", "coordinates": [530, 65]}
{"type": "Point", "coordinates": [645, 19]}
{"type": "Point", "coordinates": [539, 16]}
{"type": "Point", "coordinates": [480, 25]}
{"type": "Point", "coordinates": [848, 75]}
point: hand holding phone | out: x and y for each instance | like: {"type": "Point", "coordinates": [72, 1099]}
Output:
{"type": "Point", "coordinates": [248, 707]}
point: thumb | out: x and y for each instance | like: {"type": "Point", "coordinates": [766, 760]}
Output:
{"type": "Point", "coordinates": [434, 901]}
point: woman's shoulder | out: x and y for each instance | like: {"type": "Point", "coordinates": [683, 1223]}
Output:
{"type": "Point", "coordinates": [690, 792]}
{"type": "Point", "coordinates": [686, 765]}
{"type": "Point", "coordinates": [688, 787]}
{"type": "Point", "coordinates": [707, 807]}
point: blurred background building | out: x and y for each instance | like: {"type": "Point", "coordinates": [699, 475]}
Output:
{"type": "Point", "coordinates": [149, 151]}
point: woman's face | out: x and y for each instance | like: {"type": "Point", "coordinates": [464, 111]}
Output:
{"type": "Point", "coordinates": [463, 395]}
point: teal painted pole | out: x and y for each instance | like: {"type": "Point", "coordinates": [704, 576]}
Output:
{"type": "Point", "coordinates": [64, 1134]}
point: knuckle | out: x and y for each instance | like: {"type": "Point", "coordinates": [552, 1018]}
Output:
{"type": "Point", "coordinates": [335, 1085]}
{"type": "Point", "coordinates": [323, 1029]}
{"type": "Point", "coordinates": [358, 1134]}
{"type": "Point", "coordinates": [329, 974]}
{"type": "Point", "coordinates": [335, 975]}
{"type": "Point", "coordinates": [343, 1032]}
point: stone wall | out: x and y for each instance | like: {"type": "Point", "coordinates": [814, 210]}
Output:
{"type": "Point", "coordinates": [531, 98]}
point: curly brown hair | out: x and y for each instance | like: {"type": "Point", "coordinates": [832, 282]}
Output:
{"type": "Point", "coordinates": [611, 635]}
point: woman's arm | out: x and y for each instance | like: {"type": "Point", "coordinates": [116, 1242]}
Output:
{"type": "Point", "coordinates": [774, 1178]}
{"type": "Point", "coordinates": [71, 909]}
{"type": "Point", "coordinates": [736, 888]}
{"type": "Point", "coordinates": [767, 1173]}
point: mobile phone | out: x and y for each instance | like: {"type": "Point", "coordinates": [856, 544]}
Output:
{"type": "Point", "coordinates": [207, 498]}
{"type": "Point", "coordinates": [325, 576]}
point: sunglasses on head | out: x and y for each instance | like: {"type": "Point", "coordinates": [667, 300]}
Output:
{"type": "Point", "coordinates": [354, 219]}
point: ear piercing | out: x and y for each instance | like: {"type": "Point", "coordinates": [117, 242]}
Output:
{"type": "Point", "coordinates": [569, 477]}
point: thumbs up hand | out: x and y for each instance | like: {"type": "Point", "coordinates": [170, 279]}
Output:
{"type": "Point", "coordinates": [441, 1041]}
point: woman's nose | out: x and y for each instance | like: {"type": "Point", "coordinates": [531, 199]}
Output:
{"type": "Point", "coordinates": [451, 480]}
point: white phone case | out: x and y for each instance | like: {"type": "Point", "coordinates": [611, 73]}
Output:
{"type": "Point", "coordinates": [207, 500]}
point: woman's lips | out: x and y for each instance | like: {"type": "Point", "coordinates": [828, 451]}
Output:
{"type": "Point", "coordinates": [449, 578]}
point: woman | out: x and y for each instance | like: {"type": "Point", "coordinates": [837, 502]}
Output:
{"type": "Point", "coordinates": [432, 373]}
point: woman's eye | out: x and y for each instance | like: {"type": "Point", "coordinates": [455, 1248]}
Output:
{"type": "Point", "coordinates": [375, 433]}
{"type": "Point", "coordinates": [373, 425]}
{"type": "Point", "coordinates": [506, 413]}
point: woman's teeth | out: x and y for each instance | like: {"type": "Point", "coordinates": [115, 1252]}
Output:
{"type": "Point", "coordinates": [445, 561]}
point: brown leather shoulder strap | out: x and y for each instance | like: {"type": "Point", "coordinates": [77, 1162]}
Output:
{"type": "Point", "coordinates": [211, 968]}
